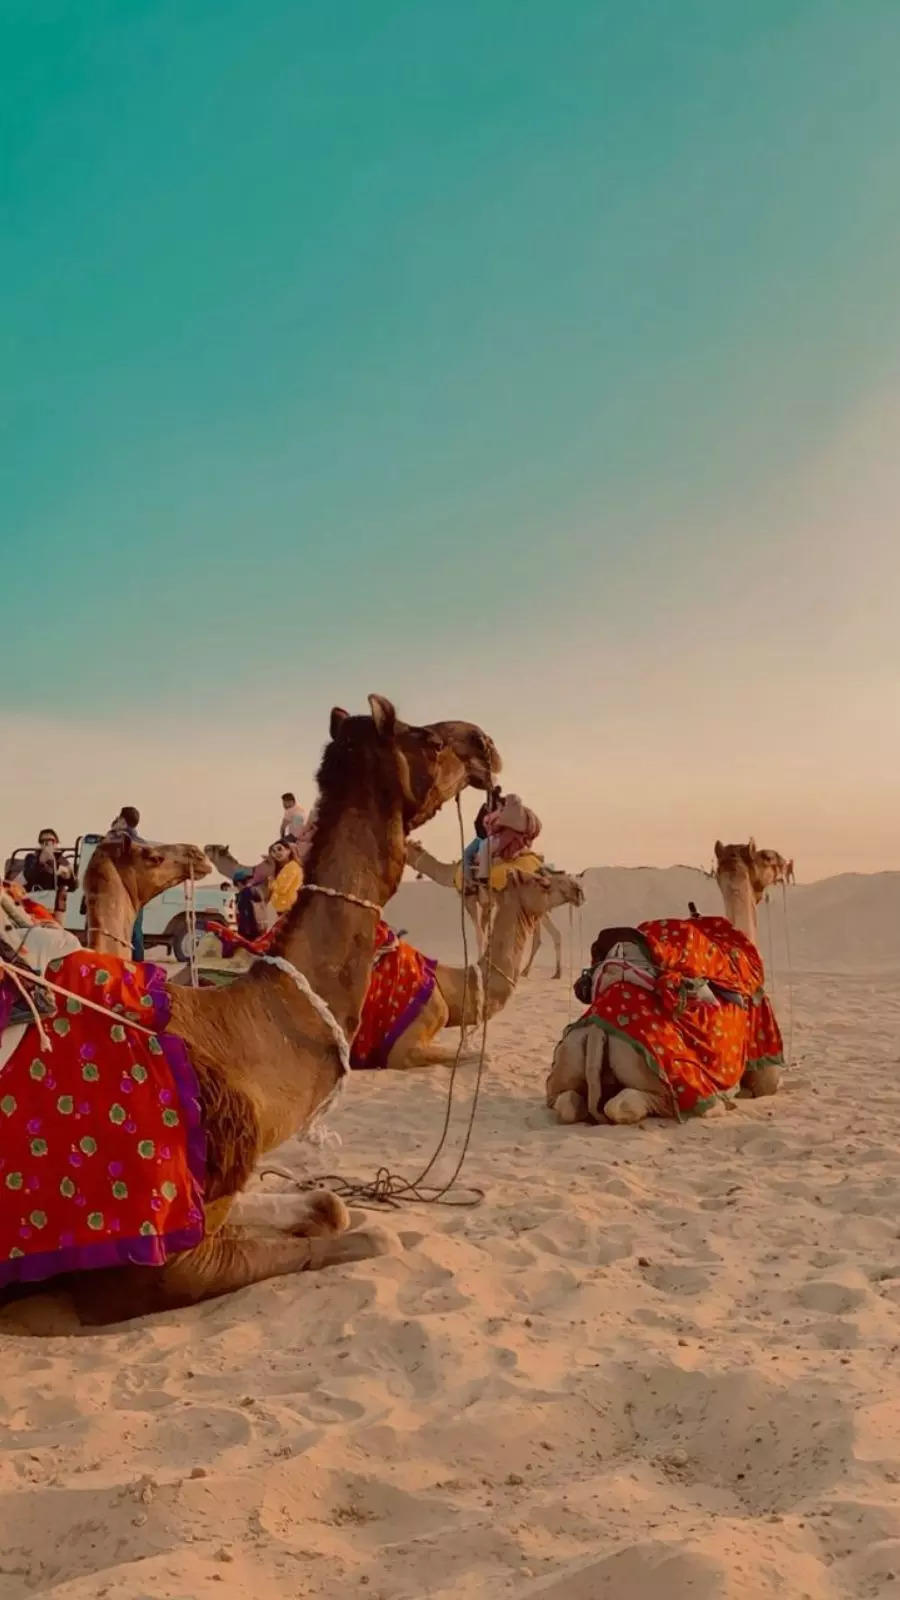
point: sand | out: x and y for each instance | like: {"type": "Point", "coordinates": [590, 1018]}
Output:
{"type": "Point", "coordinates": [653, 1362]}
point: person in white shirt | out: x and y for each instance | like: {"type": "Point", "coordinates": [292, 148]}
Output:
{"type": "Point", "coordinates": [294, 819]}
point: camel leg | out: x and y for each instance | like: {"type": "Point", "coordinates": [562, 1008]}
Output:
{"type": "Point", "coordinates": [570, 1106]}
{"type": "Point", "coordinates": [566, 1082]}
{"type": "Point", "coordinates": [535, 947]}
{"type": "Point", "coordinates": [556, 937]}
{"type": "Point", "coordinates": [405, 1056]}
{"type": "Point", "coordinates": [642, 1095]}
{"type": "Point", "coordinates": [307, 1214]}
{"type": "Point", "coordinates": [764, 1081]}
{"type": "Point", "coordinates": [233, 1258]}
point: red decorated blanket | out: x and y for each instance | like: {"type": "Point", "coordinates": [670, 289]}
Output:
{"type": "Point", "coordinates": [102, 1151]}
{"type": "Point", "coordinates": [402, 982]}
{"type": "Point", "coordinates": [698, 1043]}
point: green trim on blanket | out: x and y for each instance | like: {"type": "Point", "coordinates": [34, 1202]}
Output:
{"type": "Point", "coordinates": [702, 1106]}
{"type": "Point", "coordinates": [610, 1029]}
{"type": "Point", "coordinates": [764, 1061]}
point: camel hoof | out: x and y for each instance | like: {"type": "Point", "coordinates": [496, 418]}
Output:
{"type": "Point", "coordinates": [325, 1214]}
{"type": "Point", "coordinates": [765, 1081]}
{"type": "Point", "coordinates": [570, 1106]}
{"type": "Point", "coordinates": [365, 1242]}
{"type": "Point", "coordinates": [629, 1106]}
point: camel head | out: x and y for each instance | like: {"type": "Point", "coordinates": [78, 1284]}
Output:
{"type": "Point", "coordinates": [744, 862]}
{"type": "Point", "coordinates": [542, 892]}
{"type": "Point", "coordinates": [145, 870]}
{"type": "Point", "coordinates": [475, 749]}
{"type": "Point", "coordinates": [222, 860]}
{"type": "Point", "coordinates": [419, 767]}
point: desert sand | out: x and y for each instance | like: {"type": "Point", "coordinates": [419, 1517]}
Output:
{"type": "Point", "coordinates": [653, 1362]}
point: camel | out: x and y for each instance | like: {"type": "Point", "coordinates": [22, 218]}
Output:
{"type": "Point", "coordinates": [446, 873]}
{"type": "Point", "coordinates": [223, 861]}
{"type": "Point", "coordinates": [265, 1058]}
{"type": "Point", "coordinates": [743, 874]}
{"type": "Point", "coordinates": [463, 997]}
{"type": "Point", "coordinates": [586, 1057]}
{"type": "Point", "coordinates": [122, 876]}
{"type": "Point", "coordinates": [458, 998]}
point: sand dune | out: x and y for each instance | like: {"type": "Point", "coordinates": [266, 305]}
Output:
{"type": "Point", "coordinates": [651, 1362]}
{"type": "Point", "coordinates": [847, 923]}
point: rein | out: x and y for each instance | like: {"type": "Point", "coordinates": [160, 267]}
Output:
{"type": "Point", "coordinates": [89, 1005]}
{"type": "Point", "coordinates": [341, 894]}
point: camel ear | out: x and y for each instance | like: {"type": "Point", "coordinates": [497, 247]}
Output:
{"type": "Point", "coordinates": [751, 847]}
{"type": "Point", "coordinates": [338, 718]}
{"type": "Point", "coordinates": [383, 715]}
{"type": "Point", "coordinates": [720, 849]}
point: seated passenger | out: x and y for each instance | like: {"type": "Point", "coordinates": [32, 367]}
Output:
{"type": "Point", "coordinates": [46, 869]}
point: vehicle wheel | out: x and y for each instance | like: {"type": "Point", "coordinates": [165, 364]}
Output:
{"type": "Point", "coordinates": [180, 940]}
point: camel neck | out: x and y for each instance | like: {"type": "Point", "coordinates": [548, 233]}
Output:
{"type": "Point", "coordinates": [110, 910]}
{"type": "Point", "coordinates": [443, 872]}
{"type": "Point", "coordinates": [332, 940]}
{"type": "Point", "coordinates": [513, 929]}
{"type": "Point", "coordinates": [740, 905]}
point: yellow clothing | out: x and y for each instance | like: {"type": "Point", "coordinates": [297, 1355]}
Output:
{"type": "Point", "coordinates": [286, 886]}
{"type": "Point", "coordinates": [527, 864]}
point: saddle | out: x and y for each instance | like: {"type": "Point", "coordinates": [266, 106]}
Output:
{"type": "Point", "coordinates": [27, 944]}
{"type": "Point", "coordinates": [13, 1008]}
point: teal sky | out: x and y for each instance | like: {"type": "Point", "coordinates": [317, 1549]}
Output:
{"type": "Point", "coordinates": [530, 362]}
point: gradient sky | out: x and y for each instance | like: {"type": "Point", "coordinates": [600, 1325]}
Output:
{"type": "Point", "coordinates": [533, 363]}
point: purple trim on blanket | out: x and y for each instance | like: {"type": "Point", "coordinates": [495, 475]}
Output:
{"type": "Point", "coordinates": [8, 996]}
{"type": "Point", "coordinates": [142, 1250]}
{"type": "Point", "coordinates": [185, 1079]}
{"type": "Point", "coordinates": [137, 1252]}
{"type": "Point", "coordinates": [378, 1058]}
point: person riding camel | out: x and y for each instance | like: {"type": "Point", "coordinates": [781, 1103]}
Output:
{"type": "Point", "coordinates": [470, 854]}
{"type": "Point", "coordinates": [510, 831]}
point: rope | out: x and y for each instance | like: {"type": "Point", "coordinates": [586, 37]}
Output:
{"type": "Point", "coordinates": [388, 1188]}
{"type": "Point", "coordinates": [790, 974]}
{"type": "Point", "coordinates": [89, 1005]}
{"type": "Point", "coordinates": [190, 915]}
{"type": "Point", "coordinates": [15, 974]}
{"type": "Point", "coordinates": [320, 1006]}
{"type": "Point", "coordinates": [339, 894]}
{"type": "Point", "coordinates": [770, 965]}
{"type": "Point", "coordinates": [570, 962]}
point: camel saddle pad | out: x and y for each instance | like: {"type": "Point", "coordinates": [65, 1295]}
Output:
{"type": "Point", "coordinates": [526, 865]}
{"type": "Point", "coordinates": [402, 982]}
{"type": "Point", "coordinates": [700, 1049]}
{"type": "Point", "coordinates": [102, 1151]}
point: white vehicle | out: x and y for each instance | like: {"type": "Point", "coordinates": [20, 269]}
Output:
{"type": "Point", "coordinates": [165, 918]}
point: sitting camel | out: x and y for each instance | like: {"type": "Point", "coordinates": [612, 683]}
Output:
{"type": "Point", "coordinates": [599, 1073]}
{"type": "Point", "coordinates": [438, 996]}
{"type": "Point", "coordinates": [411, 999]}
{"type": "Point", "coordinates": [227, 1075]}
{"type": "Point", "coordinates": [122, 876]}
{"type": "Point", "coordinates": [447, 873]}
